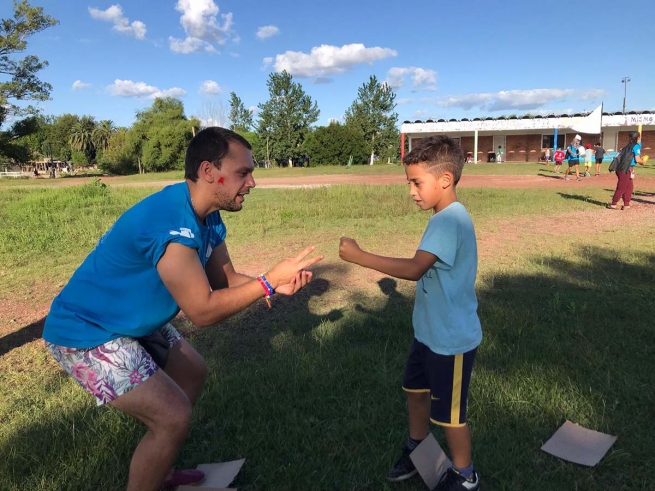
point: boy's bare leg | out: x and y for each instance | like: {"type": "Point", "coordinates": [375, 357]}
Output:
{"type": "Point", "coordinates": [459, 443]}
{"type": "Point", "coordinates": [418, 407]}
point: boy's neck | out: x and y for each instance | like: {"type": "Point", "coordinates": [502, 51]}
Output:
{"type": "Point", "coordinates": [446, 201]}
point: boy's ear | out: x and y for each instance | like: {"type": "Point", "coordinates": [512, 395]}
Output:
{"type": "Point", "coordinates": [446, 179]}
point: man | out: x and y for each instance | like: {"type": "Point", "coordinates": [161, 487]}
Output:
{"type": "Point", "coordinates": [109, 327]}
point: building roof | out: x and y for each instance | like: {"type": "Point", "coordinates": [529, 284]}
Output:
{"type": "Point", "coordinates": [504, 118]}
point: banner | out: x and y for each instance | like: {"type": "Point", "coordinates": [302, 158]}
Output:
{"type": "Point", "coordinates": [590, 124]}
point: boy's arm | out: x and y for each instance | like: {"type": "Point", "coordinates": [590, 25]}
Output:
{"type": "Point", "coordinates": [403, 268]}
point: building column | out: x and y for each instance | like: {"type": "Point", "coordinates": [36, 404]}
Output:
{"type": "Point", "coordinates": [475, 147]}
{"type": "Point", "coordinates": [402, 147]}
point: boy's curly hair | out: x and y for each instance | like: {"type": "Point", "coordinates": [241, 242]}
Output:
{"type": "Point", "coordinates": [438, 154]}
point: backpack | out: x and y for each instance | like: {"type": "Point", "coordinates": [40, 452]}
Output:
{"type": "Point", "coordinates": [623, 159]}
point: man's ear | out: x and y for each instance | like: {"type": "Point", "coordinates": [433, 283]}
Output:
{"type": "Point", "coordinates": [205, 171]}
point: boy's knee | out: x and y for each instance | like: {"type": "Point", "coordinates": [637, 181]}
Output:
{"type": "Point", "coordinates": [176, 422]}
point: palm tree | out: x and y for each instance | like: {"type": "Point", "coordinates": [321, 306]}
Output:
{"type": "Point", "coordinates": [81, 137]}
{"type": "Point", "coordinates": [102, 134]}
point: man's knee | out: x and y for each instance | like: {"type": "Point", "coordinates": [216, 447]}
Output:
{"type": "Point", "coordinates": [176, 421]}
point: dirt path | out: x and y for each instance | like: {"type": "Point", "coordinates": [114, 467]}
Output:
{"type": "Point", "coordinates": [542, 180]}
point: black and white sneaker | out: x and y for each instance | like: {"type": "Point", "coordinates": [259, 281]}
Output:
{"type": "Point", "coordinates": [454, 481]}
{"type": "Point", "coordinates": [403, 469]}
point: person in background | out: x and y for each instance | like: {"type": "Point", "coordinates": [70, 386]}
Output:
{"type": "Point", "coordinates": [588, 155]}
{"type": "Point", "coordinates": [599, 153]}
{"type": "Point", "coordinates": [547, 156]}
{"type": "Point", "coordinates": [499, 154]}
{"type": "Point", "coordinates": [573, 153]}
{"type": "Point", "coordinates": [559, 157]}
{"type": "Point", "coordinates": [626, 173]}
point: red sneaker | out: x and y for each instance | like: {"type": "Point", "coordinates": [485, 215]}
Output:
{"type": "Point", "coordinates": [183, 477]}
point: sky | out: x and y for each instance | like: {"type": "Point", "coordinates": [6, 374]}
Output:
{"type": "Point", "coordinates": [463, 59]}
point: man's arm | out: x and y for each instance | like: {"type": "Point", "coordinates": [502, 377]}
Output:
{"type": "Point", "coordinates": [405, 269]}
{"type": "Point", "coordinates": [184, 277]}
{"type": "Point", "coordinates": [220, 271]}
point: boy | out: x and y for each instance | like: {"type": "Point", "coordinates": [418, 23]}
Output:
{"type": "Point", "coordinates": [588, 153]}
{"type": "Point", "coordinates": [559, 158]}
{"type": "Point", "coordinates": [499, 154]}
{"type": "Point", "coordinates": [600, 152]}
{"type": "Point", "coordinates": [446, 324]}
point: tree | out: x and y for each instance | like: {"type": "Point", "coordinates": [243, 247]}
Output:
{"type": "Point", "coordinates": [23, 83]}
{"type": "Point", "coordinates": [286, 118]}
{"type": "Point", "coordinates": [102, 134]}
{"type": "Point", "coordinates": [81, 138]}
{"type": "Point", "coordinates": [213, 112]}
{"type": "Point", "coordinates": [335, 144]}
{"type": "Point", "coordinates": [240, 117]}
{"type": "Point", "coordinates": [372, 113]}
{"type": "Point", "coordinates": [160, 135]}
{"type": "Point", "coordinates": [119, 156]}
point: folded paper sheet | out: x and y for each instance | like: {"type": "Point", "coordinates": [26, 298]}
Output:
{"type": "Point", "coordinates": [577, 444]}
{"type": "Point", "coordinates": [430, 461]}
{"type": "Point", "coordinates": [217, 476]}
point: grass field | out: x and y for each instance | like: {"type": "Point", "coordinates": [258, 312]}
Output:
{"type": "Point", "coordinates": [358, 170]}
{"type": "Point", "coordinates": [309, 392]}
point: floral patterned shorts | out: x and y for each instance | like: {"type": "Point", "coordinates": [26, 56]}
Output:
{"type": "Point", "coordinates": [111, 369]}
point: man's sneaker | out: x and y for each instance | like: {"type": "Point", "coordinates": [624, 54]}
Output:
{"type": "Point", "coordinates": [566, 178]}
{"type": "Point", "coordinates": [404, 468]}
{"type": "Point", "coordinates": [454, 481]}
{"type": "Point", "coordinates": [579, 179]}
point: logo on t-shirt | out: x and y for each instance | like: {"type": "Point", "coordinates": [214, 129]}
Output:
{"type": "Point", "coordinates": [184, 232]}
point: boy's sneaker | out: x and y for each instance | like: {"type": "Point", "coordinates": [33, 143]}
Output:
{"type": "Point", "coordinates": [454, 481]}
{"type": "Point", "coordinates": [403, 469]}
{"type": "Point", "coordinates": [579, 179]}
{"type": "Point", "coordinates": [566, 178]}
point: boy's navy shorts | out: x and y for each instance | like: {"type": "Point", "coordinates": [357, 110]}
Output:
{"type": "Point", "coordinates": [445, 377]}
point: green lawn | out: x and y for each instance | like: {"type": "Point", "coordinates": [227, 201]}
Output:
{"type": "Point", "coordinates": [309, 392]}
{"type": "Point", "coordinates": [359, 170]}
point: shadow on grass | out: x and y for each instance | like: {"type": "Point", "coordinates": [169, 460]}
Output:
{"type": "Point", "coordinates": [555, 176]}
{"type": "Point", "coordinates": [313, 401]}
{"type": "Point", "coordinates": [586, 199]}
{"type": "Point", "coordinates": [21, 336]}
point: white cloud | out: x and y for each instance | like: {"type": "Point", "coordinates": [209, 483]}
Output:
{"type": "Point", "coordinates": [266, 62]}
{"type": "Point", "coordinates": [507, 99]}
{"type": "Point", "coordinates": [266, 32]}
{"type": "Point", "coordinates": [405, 101]}
{"type": "Point", "coordinates": [114, 14]}
{"type": "Point", "coordinates": [235, 55]}
{"type": "Point", "coordinates": [322, 80]}
{"type": "Point", "coordinates": [141, 90]}
{"type": "Point", "coordinates": [327, 60]}
{"type": "Point", "coordinates": [202, 27]}
{"type": "Point", "coordinates": [209, 87]}
{"type": "Point", "coordinates": [79, 85]}
{"type": "Point", "coordinates": [254, 110]}
{"type": "Point", "coordinates": [420, 77]}
{"type": "Point", "coordinates": [593, 94]}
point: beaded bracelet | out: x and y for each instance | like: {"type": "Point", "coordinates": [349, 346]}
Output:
{"type": "Point", "coordinates": [268, 290]}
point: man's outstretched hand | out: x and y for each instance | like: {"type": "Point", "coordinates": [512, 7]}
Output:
{"type": "Point", "coordinates": [289, 276]}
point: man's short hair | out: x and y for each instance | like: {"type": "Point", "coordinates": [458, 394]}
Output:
{"type": "Point", "coordinates": [438, 154]}
{"type": "Point", "coordinates": [212, 145]}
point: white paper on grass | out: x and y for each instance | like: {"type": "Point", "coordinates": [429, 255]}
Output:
{"type": "Point", "coordinates": [579, 445]}
{"type": "Point", "coordinates": [217, 476]}
{"type": "Point", "coordinates": [430, 461]}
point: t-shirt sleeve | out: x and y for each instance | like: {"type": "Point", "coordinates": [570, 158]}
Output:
{"type": "Point", "coordinates": [153, 244]}
{"type": "Point", "coordinates": [441, 238]}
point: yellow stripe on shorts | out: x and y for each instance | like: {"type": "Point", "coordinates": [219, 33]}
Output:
{"type": "Point", "coordinates": [457, 390]}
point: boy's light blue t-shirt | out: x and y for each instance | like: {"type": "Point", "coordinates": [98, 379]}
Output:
{"type": "Point", "coordinates": [117, 290]}
{"type": "Point", "coordinates": [445, 314]}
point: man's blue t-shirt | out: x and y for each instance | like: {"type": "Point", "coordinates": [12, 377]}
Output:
{"type": "Point", "coordinates": [636, 153]}
{"type": "Point", "coordinates": [446, 308]}
{"type": "Point", "coordinates": [117, 290]}
{"type": "Point", "coordinates": [573, 152]}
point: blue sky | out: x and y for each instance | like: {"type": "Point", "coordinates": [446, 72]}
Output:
{"type": "Point", "coordinates": [444, 59]}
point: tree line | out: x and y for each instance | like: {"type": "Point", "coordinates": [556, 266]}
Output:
{"type": "Point", "coordinates": [283, 131]}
